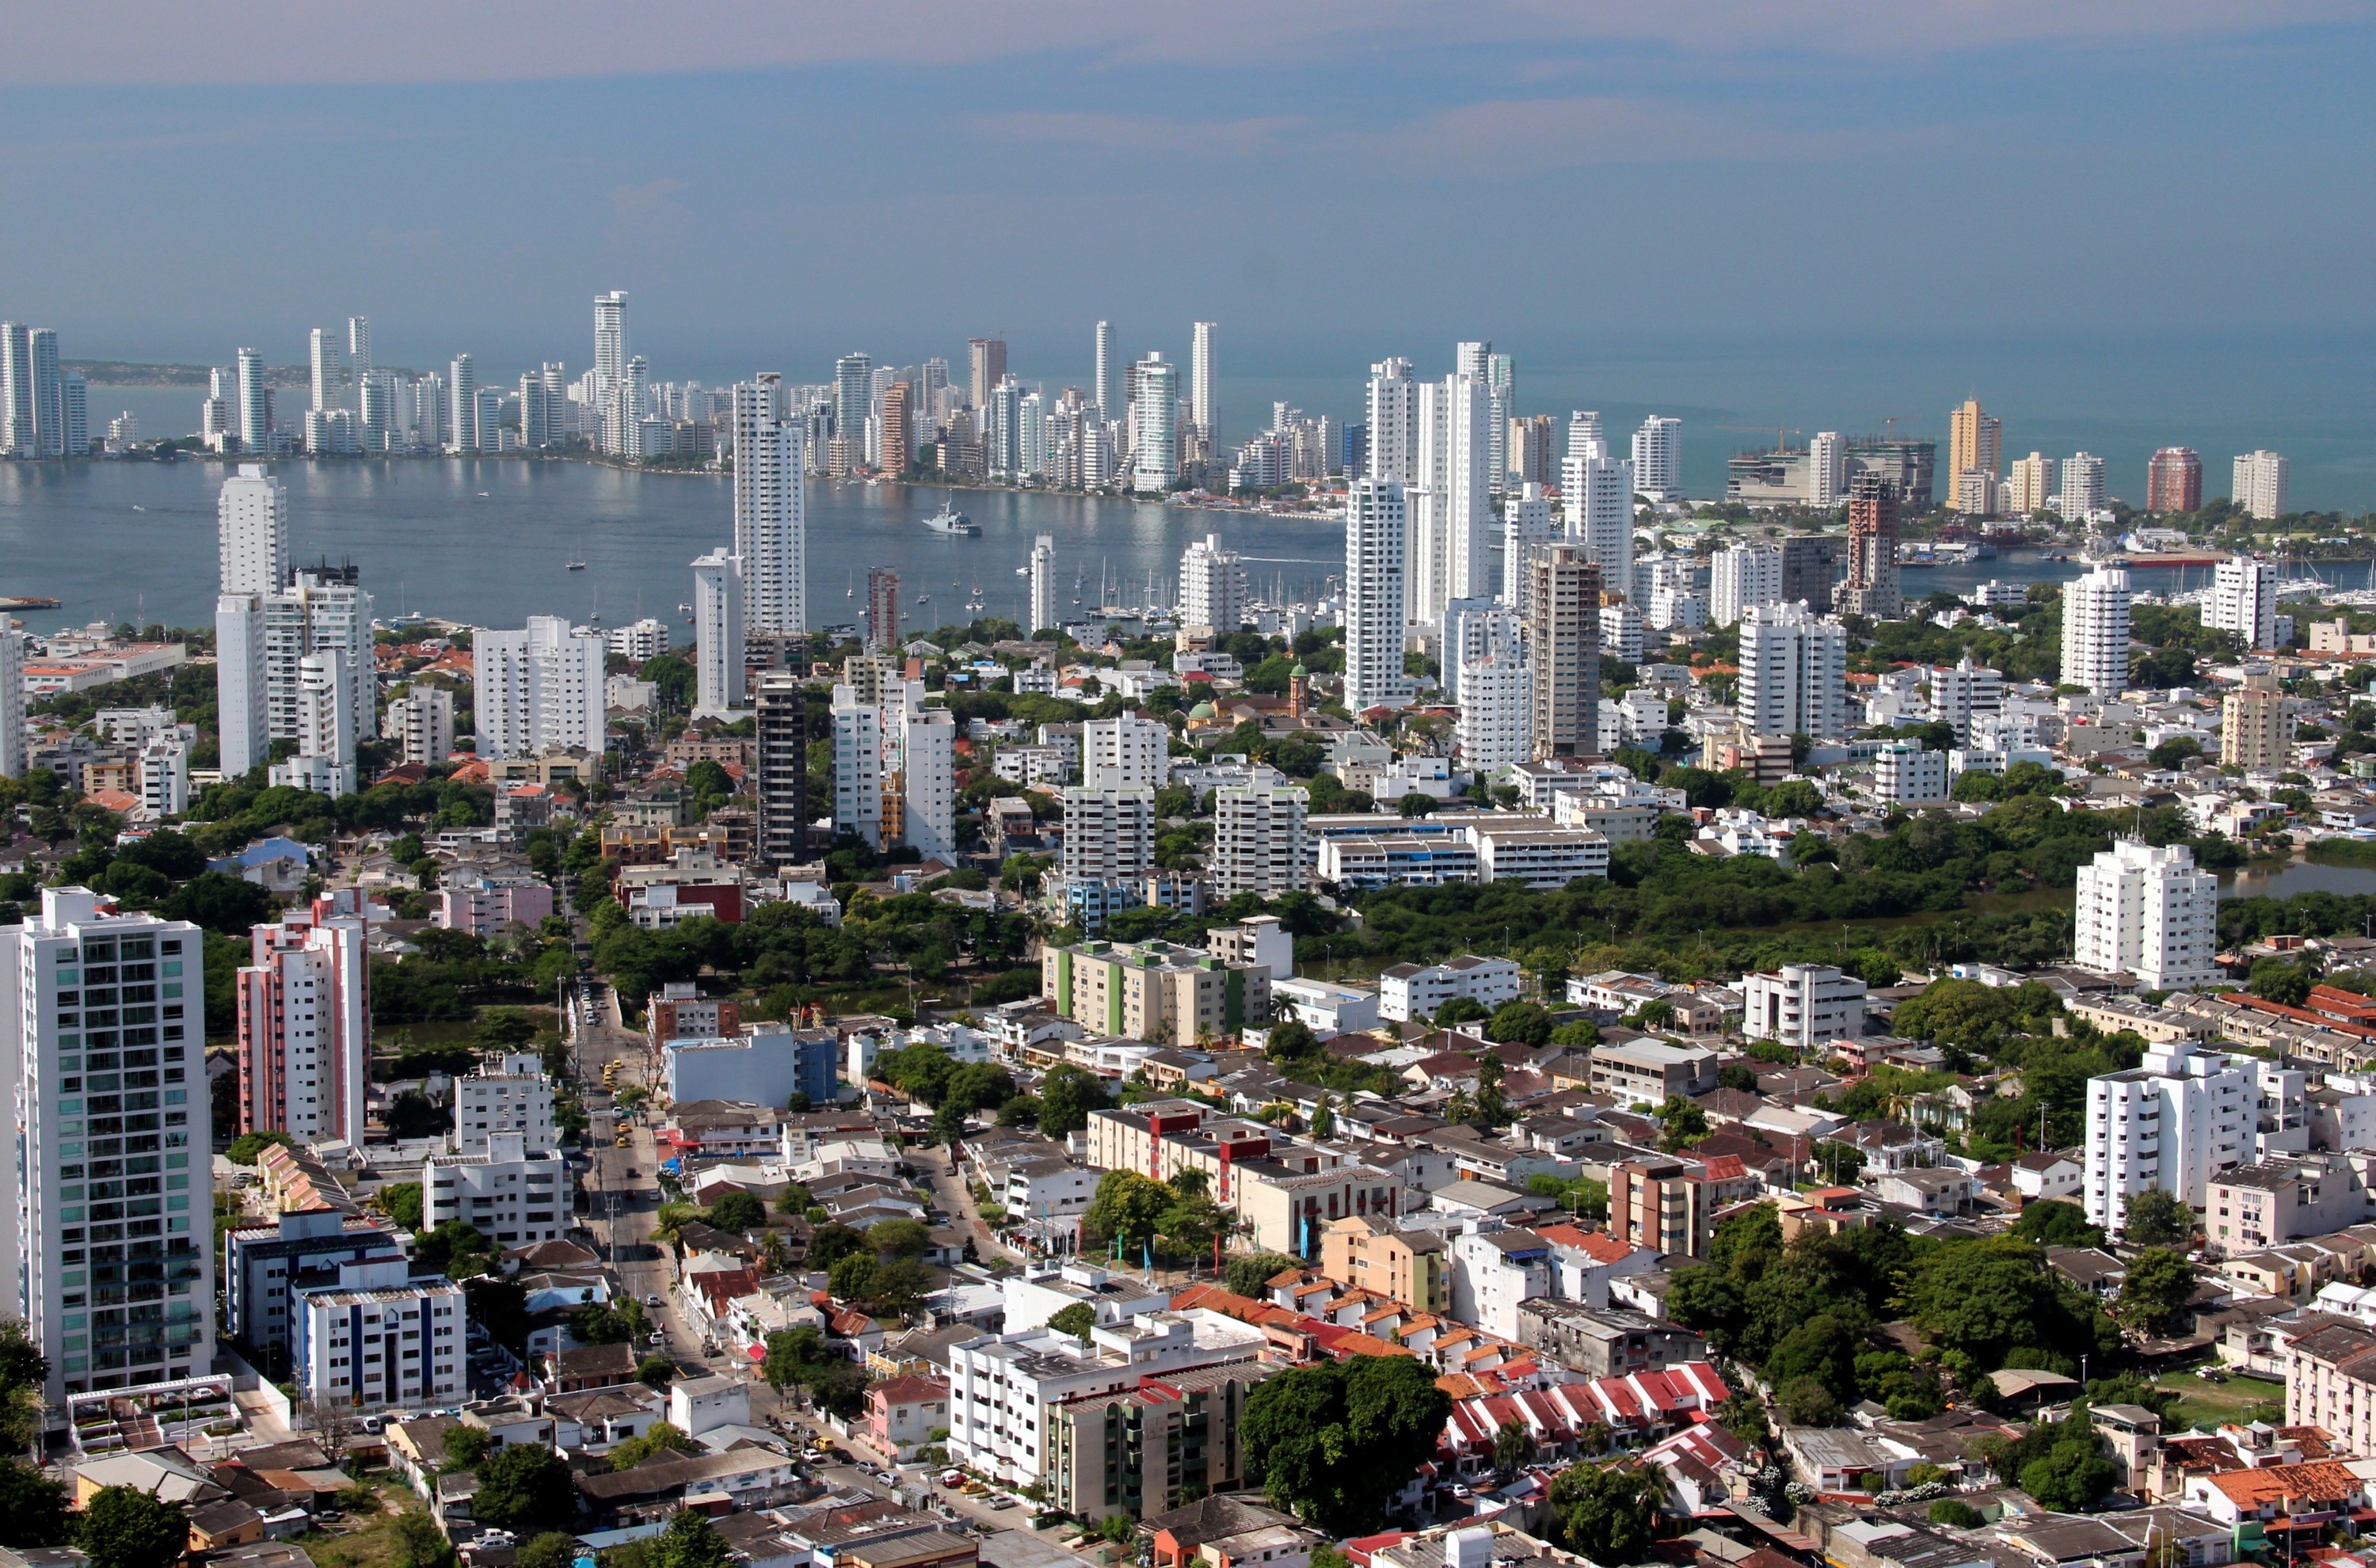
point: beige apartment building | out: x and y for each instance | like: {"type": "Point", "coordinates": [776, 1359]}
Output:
{"type": "Point", "coordinates": [1286, 1193]}
{"type": "Point", "coordinates": [2255, 730]}
{"type": "Point", "coordinates": [1154, 991]}
{"type": "Point", "coordinates": [1409, 1266]}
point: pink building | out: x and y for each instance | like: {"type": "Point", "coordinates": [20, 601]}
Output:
{"type": "Point", "coordinates": [482, 903]}
{"type": "Point", "coordinates": [902, 1413]}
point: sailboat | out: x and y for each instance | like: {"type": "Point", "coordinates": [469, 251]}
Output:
{"type": "Point", "coordinates": [852, 591]}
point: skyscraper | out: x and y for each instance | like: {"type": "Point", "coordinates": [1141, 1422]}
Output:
{"type": "Point", "coordinates": [610, 340]}
{"type": "Point", "coordinates": [1563, 611]}
{"type": "Point", "coordinates": [359, 354]}
{"type": "Point", "coordinates": [1496, 690]}
{"type": "Point", "coordinates": [853, 399]}
{"type": "Point", "coordinates": [1212, 586]}
{"type": "Point", "coordinates": [2096, 632]}
{"type": "Point", "coordinates": [898, 436]}
{"type": "Point", "coordinates": [1793, 672]}
{"type": "Point", "coordinates": [2083, 486]}
{"type": "Point", "coordinates": [2150, 914]}
{"type": "Point", "coordinates": [1003, 442]}
{"type": "Point", "coordinates": [328, 368]}
{"type": "Point", "coordinates": [928, 781]}
{"type": "Point", "coordinates": [107, 1212]}
{"type": "Point", "coordinates": [718, 620]}
{"type": "Point", "coordinates": [462, 387]}
{"type": "Point", "coordinates": [1453, 529]}
{"type": "Point", "coordinates": [1393, 422]}
{"type": "Point", "coordinates": [1598, 494]}
{"type": "Point", "coordinates": [255, 411]}
{"type": "Point", "coordinates": [16, 389]}
{"type": "Point", "coordinates": [243, 714]}
{"type": "Point", "coordinates": [770, 508]}
{"type": "Point", "coordinates": [12, 703]}
{"type": "Point", "coordinates": [251, 531]}
{"type": "Point", "coordinates": [2244, 600]}
{"type": "Point", "coordinates": [1827, 469]}
{"type": "Point", "coordinates": [1873, 590]}
{"type": "Point", "coordinates": [881, 609]}
{"type": "Point", "coordinates": [987, 357]}
{"type": "Point", "coordinates": [305, 1029]}
{"type": "Point", "coordinates": [2260, 484]}
{"type": "Point", "coordinates": [1044, 584]}
{"type": "Point", "coordinates": [1746, 575]}
{"type": "Point", "coordinates": [2031, 489]}
{"type": "Point", "coordinates": [1974, 440]}
{"type": "Point", "coordinates": [1657, 470]}
{"type": "Point", "coordinates": [48, 394]}
{"type": "Point", "coordinates": [538, 690]}
{"type": "Point", "coordinates": [1501, 389]}
{"type": "Point", "coordinates": [857, 766]}
{"type": "Point", "coordinates": [1101, 389]}
{"type": "Point", "coordinates": [1126, 752]}
{"type": "Point", "coordinates": [783, 769]}
{"type": "Point", "coordinates": [2255, 731]}
{"type": "Point", "coordinates": [2174, 481]}
{"type": "Point", "coordinates": [1156, 426]}
{"type": "Point", "coordinates": [1527, 526]}
{"type": "Point", "coordinates": [1376, 529]}
{"type": "Point", "coordinates": [77, 396]}
{"type": "Point", "coordinates": [1200, 379]}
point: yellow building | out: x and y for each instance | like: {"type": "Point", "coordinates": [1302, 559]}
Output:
{"type": "Point", "coordinates": [1154, 991]}
{"type": "Point", "coordinates": [2255, 730]}
{"type": "Point", "coordinates": [1409, 1266]}
{"type": "Point", "coordinates": [1975, 441]}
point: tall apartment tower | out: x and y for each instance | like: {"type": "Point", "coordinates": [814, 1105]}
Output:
{"type": "Point", "coordinates": [857, 766]}
{"type": "Point", "coordinates": [462, 393]}
{"type": "Point", "coordinates": [1200, 379]}
{"type": "Point", "coordinates": [251, 531]}
{"type": "Point", "coordinates": [1598, 493]}
{"type": "Point", "coordinates": [48, 394]}
{"type": "Point", "coordinates": [1376, 532]}
{"type": "Point", "coordinates": [16, 389]}
{"type": "Point", "coordinates": [2244, 600]}
{"type": "Point", "coordinates": [781, 706]}
{"type": "Point", "coordinates": [1102, 375]}
{"type": "Point", "coordinates": [2082, 485]}
{"type": "Point", "coordinates": [103, 1053]}
{"type": "Point", "coordinates": [1126, 752]}
{"type": "Point", "coordinates": [1741, 578]}
{"type": "Point", "coordinates": [538, 689]}
{"type": "Point", "coordinates": [1452, 535]}
{"type": "Point", "coordinates": [1527, 526]}
{"type": "Point", "coordinates": [243, 712]}
{"type": "Point", "coordinates": [1259, 843]}
{"type": "Point", "coordinates": [2150, 912]}
{"type": "Point", "coordinates": [2096, 632]}
{"type": "Point", "coordinates": [2174, 481]}
{"type": "Point", "coordinates": [12, 703]}
{"type": "Point", "coordinates": [421, 724]}
{"type": "Point", "coordinates": [2030, 489]}
{"type": "Point", "coordinates": [1393, 422]}
{"type": "Point", "coordinates": [304, 1029]}
{"type": "Point", "coordinates": [2172, 1122]}
{"type": "Point", "coordinates": [1562, 612]}
{"type": "Point", "coordinates": [1496, 690]}
{"type": "Point", "coordinates": [2255, 730]}
{"type": "Point", "coordinates": [928, 781]}
{"type": "Point", "coordinates": [328, 367]}
{"type": "Point", "coordinates": [1827, 469]}
{"type": "Point", "coordinates": [987, 359]}
{"type": "Point", "coordinates": [1212, 586]}
{"type": "Point", "coordinates": [255, 404]}
{"type": "Point", "coordinates": [2260, 484]}
{"type": "Point", "coordinates": [770, 508]}
{"type": "Point", "coordinates": [359, 351]}
{"type": "Point", "coordinates": [1871, 589]}
{"type": "Point", "coordinates": [719, 639]}
{"type": "Point", "coordinates": [1975, 441]}
{"type": "Point", "coordinates": [897, 428]}
{"type": "Point", "coordinates": [1657, 460]}
{"type": "Point", "coordinates": [1108, 832]}
{"type": "Point", "coordinates": [1044, 613]}
{"type": "Point", "coordinates": [610, 342]}
{"type": "Point", "coordinates": [1155, 415]}
{"type": "Point", "coordinates": [1793, 672]}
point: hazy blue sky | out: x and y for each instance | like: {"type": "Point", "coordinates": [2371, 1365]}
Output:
{"type": "Point", "coordinates": [1332, 181]}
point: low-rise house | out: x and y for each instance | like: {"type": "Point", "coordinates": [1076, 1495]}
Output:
{"type": "Point", "coordinates": [905, 1413]}
{"type": "Point", "coordinates": [1604, 1342]}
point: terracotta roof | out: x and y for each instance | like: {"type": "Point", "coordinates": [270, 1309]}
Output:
{"type": "Point", "coordinates": [2321, 1480]}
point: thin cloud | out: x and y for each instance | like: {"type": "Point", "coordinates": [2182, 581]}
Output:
{"type": "Point", "coordinates": [1142, 133]}
{"type": "Point", "coordinates": [1510, 138]}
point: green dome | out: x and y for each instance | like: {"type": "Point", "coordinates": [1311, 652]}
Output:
{"type": "Point", "coordinates": [1203, 710]}
{"type": "Point", "coordinates": [1298, 673]}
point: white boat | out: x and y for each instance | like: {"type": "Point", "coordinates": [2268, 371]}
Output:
{"type": "Point", "coordinates": [949, 520]}
{"type": "Point", "coordinates": [577, 565]}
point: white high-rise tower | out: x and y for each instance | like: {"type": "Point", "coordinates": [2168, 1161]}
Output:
{"type": "Point", "coordinates": [2244, 600]}
{"type": "Point", "coordinates": [1376, 531]}
{"type": "Point", "coordinates": [770, 508]}
{"type": "Point", "coordinates": [1101, 386]}
{"type": "Point", "coordinates": [2260, 484]}
{"type": "Point", "coordinates": [610, 340]}
{"type": "Point", "coordinates": [1747, 575]}
{"type": "Point", "coordinates": [1598, 491]}
{"type": "Point", "coordinates": [328, 369]}
{"type": "Point", "coordinates": [1393, 422]}
{"type": "Point", "coordinates": [255, 413]}
{"type": "Point", "coordinates": [251, 531]}
{"type": "Point", "coordinates": [1044, 584]}
{"type": "Point", "coordinates": [1212, 586]}
{"type": "Point", "coordinates": [1656, 462]}
{"type": "Point", "coordinates": [1155, 418]}
{"type": "Point", "coordinates": [1200, 379]}
{"type": "Point", "coordinates": [717, 617]}
{"type": "Point", "coordinates": [1793, 672]}
{"type": "Point", "coordinates": [2096, 632]}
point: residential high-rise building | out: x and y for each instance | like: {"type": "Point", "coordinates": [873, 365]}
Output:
{"type": "Point", "coordinates": [1375, 539]}
{"type": "Point", "coordinates": [1125, 752]}
{"type": "Point", "coordinates": [2260, 484]}
{"type": "Point", "coordinates": [1975, 439]}
{"type": "Point", "coordinates": [536, 421]}
{"type": "Point", "coordinates": [1563, 616]}
{"type": "Point", "coordinates": [254, 409]}
{"type": "Point", "coordinates": [328, 368]}
{"type": "Point", "coordinates": [1960, 689]}
{"type": "Point", "coordinates": [323, 610]}
{"type": "Point", "coordinates": [251, 531]}
{"type": "Point", "coordinates": [898, 433]}
{"type": "Point", "coordinates": [421, 724]}
{"type": "Point", "coordinates": [1044, 613]}
{"type": "Point", "coordinates": [1451, 528]}
{"type": "Point", "coordinates": [76, 391]}
{"type": "Point", "coordinates": [2031, 488]}
{"type": "Point", "coordinates": [538, 689]}
{"type": "Point", "coordinates": [1827, 469]}
{"type": "Point", "coordinates": [1393, 422]}
{"type": "Point", "coordinates": [2174, 481]}
{"type": "Point", "coordinates": [48, 394]}
{"type": "Point", "coordinates": [1258, 842]}
{"type": "Point", "coordinates": [857, 766]}
{"type": "Point", "coordinates": [1531, 442]}
{"type": "Point", "coordinates": [1793, 672]}
{"type": "Point", "coordinates": [162, 769]}
{"type": "Point", "coordinates": [1155, 419]}
{"type": "Point", "coordinates": [881, 609]}
{"type": "Point", "coordinates": [109, 1196]}
{"type": "Point", "coordinates": [853, 399]}
{"type": "Point", "coordinates": [16, 389]}
{"type": "Point", "coordinates": [304, 1029]}
{"type": "Point", "coordinates": [1101, 383]}
{"type": "Point", "coordinates": [1002, 430]}
{"type": "Point", "coordinates": [770, 508]}
{"type": "Point", "coordinates": [1200, 380]}
{"type": "Point", "coordinates": [2172, 1122]}
{"type": "Point", "coordinates": [1108, 832]}
{"type": "Point", "coordinates": [359, 353]}
{"type": "Point", "coordinates": [243, 713]}
{"type": "Point", "coordinates": [1598, 493]}
{"type": "Point", "coordinates": [1496, 685]}
{"type": "Point", "coordinates": [2096, 632]}
{"type": "Point", "coordinates": [718, 622]}
{"type": "Point", "coordinates": [1741, 577]}
{"type": "Point", "coordinates": [325, 762]}
{"type": "Point", "coordinates": [1527, 526]}
{"type": "Point", "coordinates": [1657, 459]}
{"type": "Point", "coordinates": [1501, 398]}
{"type": "Point", "coordinates": [928, 781]}
{"type": "Point", "coordinates": [1978, 493]}
{"type": "Point", "coordinates": [375, 426]}
{"type": "Point", "coordinates": [610, 342]}
{"type": "Point", "coordinates": [2255, 730]}
{"type": "Point", "coordinates": [987, 359]}
{"type": "Point", "coordinates": [462, 391]}
{"type": "Point", "coordinates": [2244, 600]}
{"type": "Point", "coordinates": [2150, 912]}
{"type": "Point", "coordinates": [1871, 589]}
{"type": "Point", "coordinates": [12, 703]}
{"type": "Point", "coordinates": [1212, 586]}
{"type": "Point", "coordinates": [2082, 493]}
{"type": "Point", "coordinates": [781, 705]}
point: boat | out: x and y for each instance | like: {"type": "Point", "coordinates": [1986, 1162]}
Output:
{"type": "Point", "coordinates": [577, 565]}
{"type": "Point", "coordinates": [1022, 571]}
{"type": "Point", "coordinates": [923, 598]}
{"type": "Point", "coordinates": [31, 602]}
{"type": "Point", "coordinates": [949, 520]}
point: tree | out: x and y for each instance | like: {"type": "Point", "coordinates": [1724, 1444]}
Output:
{"type": "Point", "coordinates": [1685, 1123]}
{"type": "Point", "coordinates": [831, 1242]}
{"type": "Point", "coordinates": [1127, 1207]}
{"type": "Point", "coordinates": [2074, 1475]}
{"type": "Point", "coordinates": [899, 1238]}
{"type": "Point", "coordinates": [122, 1527]}
{"type": "Point", "coordinates": [1068, 1095]}
{"type": "Point", "coordinates": [1514, 1445]}
{"type": "Point", "coordinates": [2052, 1223]}
{"type": "Point", "coordinates": [2277, 980]}
{"type": "Point", "coordinates": [417, 1543]}
{"type": "Point", "coordinates": [1076, 1320]}
{"type": "Point", "coordinates": [2155, 1218]}
{"type": "Point", "coordinates": [1953, 1511]}
{"type": "Point", "coordinates": [1334, 1443]}
{"type": "Point", "coordinates": [1252, 1273]}
{"type": "Point", "coordinates": [656, 1371]}
{"type": "Point", "coordinates": [401, 1203]}
{"type": "Point", "coordinates": [1459, 1010]}
{"type": "Point", "coordinates": [691, 1542]}
{"type": "Point", "coordinates": [1291, 1041]}
{"type": "Point", "coordinates": [1607, 1514]}
{"type": "Point", "coordinates": [245, 1149]}
{"type": "Point", "coordinates": [1805, 1402]}
{"type": "Point", "coordinates": [663, 1438]}
{"type": "Point", "coordinates": [737, 1212]}
{"type": "Point", "coordinates": [465, 1447]}
{"type": "Point", "coordinates": [2159, 1284]}
{"type": "Point", "coordinates": [1520, 1023]}
{"type": "Point", "coordinates": [525, 1489]}
{"type": "Point", "coordinates": [32, 1507]}
{"type": "Point", "coordinates": [554, 1549]}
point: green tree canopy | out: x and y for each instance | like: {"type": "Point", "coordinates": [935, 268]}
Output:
{"type": "Point", "coordinates": [1251, 1274]}
{"type": "Point", "coordinates": [2158, 1285]}
{"type": "Point", "coordinates": [122, 1527]}
{"type": "Point", "coordinates": [1334, 1443]}
{"type": "Point", "coordinates": [1076, 1320]}
{"type": "Point", "coordinates": [1607, 1514]}
{"type": "Point", "coordinates": [2155, 1218]}
{"type": "Point", "coordinates": [690, 1541]}
{"type": "Point", "coordinates": [32, 1507]}
{"type": "Point", "coordinates": [2051, 1222]}
{"type": "Point", "coordinates": [526, 1489]}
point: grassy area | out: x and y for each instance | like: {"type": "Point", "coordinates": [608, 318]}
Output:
{"type": "Point", "coordinates": [364, 1540]}
{"type": "Point", "coordinates": [2237, 1399]}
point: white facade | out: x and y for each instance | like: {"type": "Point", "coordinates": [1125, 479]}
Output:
{"type": "Point", "coordinates": [2170, 1124]}
{"type": "Point", "coordinates": [1621, 633]}
{"type": "Point", "coordinates": [243, 713]}
{"type": "Point", "coordinates": [1155, 419]}
{"type": "Point", "coordinates": [2096, 632]}
{"type": "Point", "coordinates": [1658, 463]}
{"type": "Point", "coordinates": [2081, 489]}
{"type": "Point", "coordinates": [1496, 691]}
{"type": "Point", "coordinates": [305, 1031]}
{"type": "Point", "coordinates": [1125, 752]}
{"type": "Point", "coordinates": [312, 616]}
{"type": "Point", "coordinates": [1827, 469]}
{"type": "Point", "coordinates": [1806, 1005]}
{"type": "Point", "coordinates": [1906, 775]}
{"type": "Point", "coordinates": [1793, 671]}
{"type": "Point", "coordinates": [1375, 603]}
{"type": "Point", "coordinates": [1044, 615]}
{"type": "Point", "coordinates": [1741, 577]}
{"type": "Point", "coordinates": [513, 1096]}
{"type": "Point", "coordinates": [515, 1195]}
{"type": "Point", "coordinates": [1200, 389]}
{"type": "Point", "coordinates": [928, 781]}
{"type": "Point", "coordinates": [1416, 990]}
{"type": "Point", "coordinates": [163, 767]}
{"type": "Point", "coordinates": [857, 766]}
{"type": "Point", "coordinates": [1108, 834]}
{"type": "Point", "coordinates": [2149, 912]}
{"type": "Point", "coordinates": [2244, 600]}
{"type": "Point", "coordinates": [1259, 844]}
{"type": "Point", "coordinates": [111, 1191]}
{"type": "Point", "coordinates": [1961, 692]}
{"type": "Point", "coordinates": [1212, 586]}
{"type": "Point", "coordinates": [2260, 484]}
{"type": "Point", "coordinates": [12, 703]}
{"type": "Point", "coordinates": [421, 724]}
{"type": "Point", "coordinates": [1492, 1271]}
{"type": "Point", "coordinates": [770, 507]}
{"type": "Point", "coordinates": [1393, 422]}
{"type": "Point", "coordinates": [379, 1337]}
{"type": "Point", "coordinates": [538, 689]}
{"type": "Point", "coordinates": [717, 613]}
{"type": "Point", "coordinates": [1527, 522]}
{"type": "Point", "coordinates": [252, 532]}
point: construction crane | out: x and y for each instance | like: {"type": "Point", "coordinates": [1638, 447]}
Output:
{"type": "Point", "coordinates": [1781, 435]}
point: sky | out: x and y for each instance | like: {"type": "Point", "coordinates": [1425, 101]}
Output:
{"type": "Point", "coordinates": [1332, 180]}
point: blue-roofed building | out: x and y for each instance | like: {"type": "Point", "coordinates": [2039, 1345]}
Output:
{"type": "Point", "coordinates": [279, 863]}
